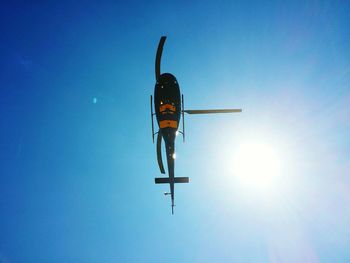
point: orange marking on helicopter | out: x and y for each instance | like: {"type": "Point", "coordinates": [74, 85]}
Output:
{"type": "Point", "coordinates": [167, 107]}
{"type": "Point", "coordinates": [168, 124]}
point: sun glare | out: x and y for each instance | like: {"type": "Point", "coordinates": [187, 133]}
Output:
{"type": "Point", "coordinates": [256, 166]}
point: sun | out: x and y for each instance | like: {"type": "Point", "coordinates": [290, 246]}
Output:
{"type": "Point", "coordinates": [257, 166]}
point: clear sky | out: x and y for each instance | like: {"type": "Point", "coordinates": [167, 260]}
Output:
{"type": "Point", "coordinates": [77, 163]}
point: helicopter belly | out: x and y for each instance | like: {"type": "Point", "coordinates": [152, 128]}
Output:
{"type": "Point", "coordinates": [168, 124]}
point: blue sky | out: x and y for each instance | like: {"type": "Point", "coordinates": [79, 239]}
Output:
{"type": "Point", "coordinates": [77, 159]}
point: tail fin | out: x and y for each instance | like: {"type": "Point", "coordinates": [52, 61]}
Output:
{"type": "Point", "coordinates": [166, 180]}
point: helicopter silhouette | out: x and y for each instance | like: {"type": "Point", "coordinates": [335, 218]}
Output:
{"type": "Point", "coordinates": [169, 107]}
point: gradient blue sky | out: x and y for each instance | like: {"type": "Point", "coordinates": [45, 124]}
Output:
{"type": "Point", "coordinates": [76, 177]}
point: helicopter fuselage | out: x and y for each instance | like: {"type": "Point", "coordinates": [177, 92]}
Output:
{"type": "Point", "coordinates": [167, 104]}
{"type": "Point", "coordinates": [169, 108]}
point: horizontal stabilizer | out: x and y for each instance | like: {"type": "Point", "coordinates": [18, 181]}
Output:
{"type": "Point", "coordinates": [166, 180]}
{"type": "Point", "coordinates": [180, 180]}
{"type": "Point", "coordinates": [161, 180]}
{"type": "Point", "coordinates": [212, 111]}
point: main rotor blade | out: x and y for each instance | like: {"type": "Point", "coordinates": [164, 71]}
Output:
{"type": "Point", "coordinates": [159, 152]}
{"type": "Point", "coordinates": [159, 55]}
{"type": "Point", "coordinates": [212, 111]}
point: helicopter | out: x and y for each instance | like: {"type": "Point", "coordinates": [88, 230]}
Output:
{"type": "Point", "coordinates": [169, 108]}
